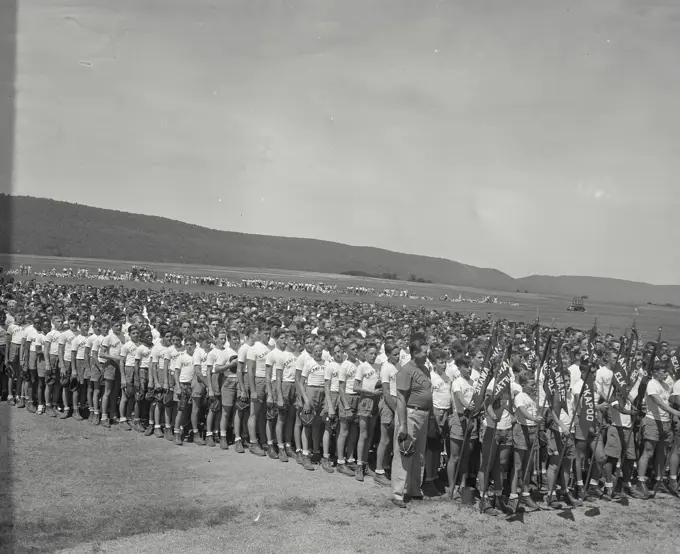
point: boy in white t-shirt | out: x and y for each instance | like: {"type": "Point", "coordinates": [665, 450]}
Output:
{"type": "Point", "coordinates": [386, 408]}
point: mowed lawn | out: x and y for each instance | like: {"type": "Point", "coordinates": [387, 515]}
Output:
{"type": "Point", "coordinates": [89, 489]}
{"type": "Point", "coordinates": [613, 317]}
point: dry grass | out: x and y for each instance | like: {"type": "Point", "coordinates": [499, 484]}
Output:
{"type": "Point", "coordinates": [89, 490]}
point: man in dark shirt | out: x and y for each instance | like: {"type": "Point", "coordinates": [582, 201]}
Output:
{"type": "Point", "coordinates": [414, 404]}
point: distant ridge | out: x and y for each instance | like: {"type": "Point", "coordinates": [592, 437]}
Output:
{"type": "Point", "coordinates": [46, 227]}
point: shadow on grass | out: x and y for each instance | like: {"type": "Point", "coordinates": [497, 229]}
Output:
{"type": "Point", "coordinates": [297, 504]}
{"type": "Point", "coordinates": [53, 533]}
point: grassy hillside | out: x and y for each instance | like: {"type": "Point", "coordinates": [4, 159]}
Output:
{"type": "Point", "coordinates": [52, 228]}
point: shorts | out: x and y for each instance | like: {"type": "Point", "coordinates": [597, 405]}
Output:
{"type": "Point", "coordinates": [441, 422]}
{"type": "Point", "coordinates": [316, 397]}
{"type": "Point", "coordinates": [142, 379]}
{"type": "Point", "coordinates": [110, 370]}
{"type": "Point", "coordinates": [523, 436]}
{"type": "Point", "coordinates": [289, 390]}
{"type": "Point", "coordinates": [198, 390]}
{"type": "Point", "coordinates": [41, 366]}
{"type": "Point", "coordinates": [81, 370]}
{"type": "Point", "coordinates": [54, 363]}
{"type": "Point", "coordinates": [95, 370]}
{"type": "Point", "coordinates": [13, 354]}
{"type": "Point", "coordinates": [386, 414]}
{"type": "Point", "coordinates": [184, 395]}
{"type": "Point", "coordinates": [458, 425]}
{"type": "Point", "coordinates": [620, 440]}
{"type": "Point", "coordinates": [335, 396]}
{"type": "Point", "coordinates": [368, 406]}
{"type": "Point", "coordinates": [556, 443]}
{"type": "Point", "coordinates": [351, 413]}
{"type": "Point", "coordinates": [32, 360]}
{"type": "Point", "coordinates": [260, 390]}
{"type": "Point", "coordinates": [654, 430]}
{"type": "Point", "coordinates": [228, 391]}
{"type": "Point", "coordinates": [130, 374]}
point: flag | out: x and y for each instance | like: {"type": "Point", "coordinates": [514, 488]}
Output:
{"type": "Point", "coordinates": [562, 381]}
{"type": "Point", "coordinates": [622, 367]}
{"type": "Point", "coordinates": [586, 415]}
{"type": "Point", "coordinates": [547, 373]}
{"type": "Point", "coordinates": [477, 402]}
{"type": "Point", "coordinates": [502, 378]}
{"type": "Point", "coordinates": [675, 364]}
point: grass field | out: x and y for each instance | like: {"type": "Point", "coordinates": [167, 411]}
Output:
{"type": "Point", "coordinates": [88, 489]}
{"type": "Point", "coordinates": [77, 488]}
{"type": "Point", "coordinates": [551, 309]}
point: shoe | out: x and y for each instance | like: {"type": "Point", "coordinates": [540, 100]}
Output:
{"type": "Point", "coordinates": [290, 453]}
{"type": "Point", "coordinates": [90, 418]}
{"type": "Point", "coordinates": [157, 432]}
{"type": "Point", "coordinates": [572, 501]}
{"type": "Point", "coordinates": [673, 487]}
{"type": "Point", "coordinates": [149, 431]}
{"type": "Point", "coordinates": [21, 403]}
{"type": "Point", "coordinates": [342, 468]}
{"type": "Point", "coordinates": [271, 452]}
{"type": "Point", "coordinates": [77, 415]}
{"type": "Point", "coordinates": [178, 439]}
{"type": "Point", "coordinates": [551, 502]}
{"type": "Point", "coordinates": [382, 479]}
{"type": "Point", "coordinates": [359, 473]}
{"type": "Point", "coordinates": [660, 487]}
{"type": "Point", "coordinates": [298, 457]}
{"type": "Point", "coordinates": [642, 490]}
{"type": "Point", "coordinates": [30, 407]}
{"type": "Point", "coordinates": [40, 410]}
{"type": "Point", "coordinates": [283, 455]}
{"type": "Point", "coordinates": [504, 505]}
{"type": "Point", "coordinates": [487, 506]}
{"type": "Point", "coordinates": [593, 491]}
{"type": "Point", "coordinates": [95, 420]}
{"type": "Point", "coordinates": [66, 414]}
{"type": "Point", "coordinates": [168, 434]}
{"type": "Point", "coordinates": [456, 493]}
{"type": "Point", "coordinates": [528, 503]}
{"type": "Point", "coordinates": [307, 463]}
{"type": "Point", "coordinates": [11, 401]}
{"type": "Point", "coordinates": [50, 411]}
{"type": "Point", "coordinates": [368, 471]}
{"type": "Point", "coordinates": [139, 427]}
{"type": "Point", "coordinates": [398, 502]}
{"type": "Point", "coordinates": [580, 492]}
{"type": "Point", "coordinates": [256, 450]}
{"type": "Point", "coordinates": [352, 465]}
{"type": "Point", "coordinates": [238, 447]}
{"type": "Point", "coordinates": [608, 494]}
{"type": "Point", "coordinates": [125, 425]}
{"type": "Point", "coordinates": [210, 441]}
{"type": "Point", "coordinates": [633, 493]}
{"type": "Point", "coordinates": [198, 440]}
{"type": "Point", "coordinates": [326, 465]}
{"type": "Point", "coordinates": [106, 422]}
{"type": "Point", "coordinates": [430, 490]}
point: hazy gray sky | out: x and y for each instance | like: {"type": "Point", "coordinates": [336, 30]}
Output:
{"type": "Point", "coordinates": [529, 136]}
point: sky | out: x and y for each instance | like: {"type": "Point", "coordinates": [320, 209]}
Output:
{"type": "Point", "coordinates": [535, 137]}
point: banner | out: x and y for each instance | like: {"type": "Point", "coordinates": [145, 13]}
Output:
{"type": "Point", "coordinates": [586, 415]}
{"type": "Point", "coordinates": [485, 376]}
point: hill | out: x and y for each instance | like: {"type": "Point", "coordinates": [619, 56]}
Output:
{"type": "Point", "coordinates": [601, 289]}
{"type": "Point", "coordinates": [47, 227]}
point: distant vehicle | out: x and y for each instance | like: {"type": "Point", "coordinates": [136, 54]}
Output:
{"type": "Point", "coordinates": [576, 305]}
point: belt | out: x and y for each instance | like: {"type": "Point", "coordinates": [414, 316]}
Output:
{"type": "Point", "coordinates": [416, 408]}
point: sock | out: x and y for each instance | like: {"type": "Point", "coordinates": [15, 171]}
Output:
{"type": "Point", "coordinates": [609, 485]}
{"type": "Point", "coordinates": [579, 483]}
{"type": "Point", "coordinates": [526, 493]}
{"type": "Point", "coordinates": [270, 443]}
{"type": "Point", "coordinates": [513, 496]}
{"type": "Point", "coordinates": [594, 483]}
{"type": "Point", "coordinates": [674, 477]}
{"type": "Point", "coordinates": [223, 434]}
{"type": "Point", "coordinates": [122, 419]}
{"type": "Point", "coordinates": [208, 434]}
{"type": "Point", "coordinates": [642, 479]}
{"type": "Point", "coordinates": [237, 439]}
{"type": "Point", "coordinates": [305, 452]}
{"type": "Point", "coordinates": [341, 462]}
{"type": "Point", "coordinates": [350, 460]}
{"type": "Point", "coordinates": [178, 431]}
{"type": "Point", "coordinates": [157, 426]}
{"type": "Point", "coordinates": [194, 431]}
{"type": "Point", "coordinates": [380, 472]}
{"type": "Point", "coordinates": [287, 445]}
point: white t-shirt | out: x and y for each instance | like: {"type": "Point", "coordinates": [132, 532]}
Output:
{"type": "Point", "coordinates": [242, 354]}
{"type": "Point", "coordinates": [441, 392]}
{"type": "Point", "coordinates": [185, 364]}
{"type": "Point", "coordinates": [286, 363]}
{"type": "Point", "coordinates": [223, 359]}
{"type": "Point", "coordinates": [113, 343]}
{"type": "Point", "coordinates": [129, 352]}
{"type": "Point", "coordinates": [78, 344]}
{"type": "Point", "coordinates": [314, 372]}
{"type": "Point", "coordinates": [53, 338]}
{"type": "Point", "coordinates": [143, 355]}
{"type": "Point", "coordinates": [603, 384]}
{"type": "Point", "coordinates": [663, 391]}
{"type": "Point", "coordinates": [39, 341]}
{"type": "Point", "coordinates": [158, 353]}
{"type": "Point", "coordinates": [66, 338]}
{"type": "Point", "coordinates": [270, 361]}
{"type": "Point", "coordinates": [258, 353]}
{"type": "Point", "coordinates": [388, 374]}
{"type": "Point", "coordinates": [368, 376]}
{"type": "Point", "coordinates": [172, 355]}
{"type": "Point", "coordinates": [331, 373]}
{"type": "Point", "coordinates": [575, 373]}
{"type": "Point", "coordinates": [31, 335]}
{"type": "Point", "coordinates": [523, 400]}
{"type": "Point", "coordinates": [467, 390]}
{"type": "Point", "coordinates": [201, 358]}
{"type": "Point", "coordinates": [348, 371]}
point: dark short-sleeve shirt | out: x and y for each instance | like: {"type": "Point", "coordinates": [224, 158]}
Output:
{"type": "Point", "coordinates": [416, 384]}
